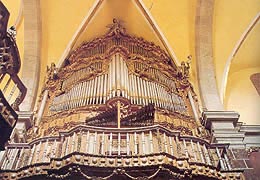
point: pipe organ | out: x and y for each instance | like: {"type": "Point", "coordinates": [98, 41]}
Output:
{"type": "Point", "coordinates": [142, 85]}
{"type": "Point", "coordinates": [115, 69]}
{"type": "Point", "coordinates": [118, 106]}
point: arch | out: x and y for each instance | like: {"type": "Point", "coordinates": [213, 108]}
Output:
{"type": "Point", "coordinates": [233, 54]}
{"type": "Point", "coordinates": [94, 10]}
{"type": "Point", "coordinates": [20, 16]}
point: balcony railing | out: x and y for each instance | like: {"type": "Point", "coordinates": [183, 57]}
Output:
{"type": "Point", "coordinates": [8, 118]}
{"type": "Point", "coordinates": [131, 143]}
{"type": "Point", "coordinates": [112, 148]}
{"type": "Point", "coordinates": [12, 90]}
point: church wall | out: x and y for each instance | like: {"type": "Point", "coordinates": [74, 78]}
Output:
{"type": "Point", "coordinates": [241, 89]}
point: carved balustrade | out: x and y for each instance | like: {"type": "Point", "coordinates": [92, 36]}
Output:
{"type": "Point", "coordinates": [12, 90]}
{"type": "Point", "coordinates": [112, 147]}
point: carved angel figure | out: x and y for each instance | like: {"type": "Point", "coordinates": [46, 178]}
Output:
{"type": "Point", "coordinates": [116, 28]}
{"type": "Point", "coordinates": [51, 72]}
{"type": "Point", "coordinates": [183, 70]}
{"type": "Point", "coordinates": [185, 67]}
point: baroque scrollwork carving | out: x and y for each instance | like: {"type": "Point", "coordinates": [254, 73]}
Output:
{"type": "Point", "coordinates": [76, 169]}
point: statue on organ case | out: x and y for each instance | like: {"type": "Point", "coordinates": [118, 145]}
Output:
{"type": "Point", "coordinates": [183, 70]}
{"type": "Point", "coordinates": [51, 72]}
{"type": "Point", "coordinates": [116, 28]}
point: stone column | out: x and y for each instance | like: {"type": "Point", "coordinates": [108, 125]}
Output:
{"type": "Point", "coordinates": [204, 55]}
{"type": "Point", "coordinates": [32, 49]}
{"type": "Point", "coordinates": [31, 65]}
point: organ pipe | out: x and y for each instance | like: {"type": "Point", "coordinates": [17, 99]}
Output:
{"type": "Point", "coordinates": [101, 89]}
{"type": "Point", "coordinates": [130, 93]}
{"type": "Point", "coordinates": [105, 88]}
{"type": "Point", "coordinates": [101, 84]}
{"type": "Point", "coordinates": [119, 82]}
{"type": "Point", "coordinates": [82, 93]}
{"type": "Point", "coordinates": [87, 93]}
{"type": "Point", "coordinates": [138, 90]}
{"type": "Point", "coordinates": [91, 91]}
{"type": "Point", "coordinates": [126, 80]}
{"type": "Point", "coordinates": [113, 78]}
{"type": "Point", "coordinates": [121, 77]}
{"type": "Point", "coordinates": [117, 73]}
{"type": "Point", "coordinates": [97, 91]}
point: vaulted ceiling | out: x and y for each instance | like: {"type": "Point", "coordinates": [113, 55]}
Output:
{"type": "Point", "coordinates": [236, 33]}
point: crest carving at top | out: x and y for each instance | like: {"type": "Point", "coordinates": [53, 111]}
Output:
{"type": "Point", "coordinates": [116, 29]}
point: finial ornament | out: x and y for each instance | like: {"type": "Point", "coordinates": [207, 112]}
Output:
{"type": "Point", "coordinates": [183, 72]}
{"type": "Point", "coordinates": [116, 29]}
{"type": "Point", "coordinates": [184, 69]}
{"type": "Point", "coordinates": [51, 72]}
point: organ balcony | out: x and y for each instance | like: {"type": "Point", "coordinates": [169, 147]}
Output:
{"type": "Point", "coordinates": [94, 148]}
{"type": "Point", "coordinates": [12, 90]}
